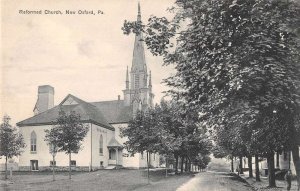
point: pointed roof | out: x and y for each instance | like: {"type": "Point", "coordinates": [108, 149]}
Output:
{"type": "Point", "coordinates": [89, 114]}
{"type": "Point", "coordinates": [138, 60]}
{"type": "Point", "coordinates": [114, 143]}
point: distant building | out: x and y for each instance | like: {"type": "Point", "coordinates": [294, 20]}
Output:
{"type": "Point", "coordinates": [103, 146]}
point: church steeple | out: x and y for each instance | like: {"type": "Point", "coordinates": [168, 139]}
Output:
{"type": "Point", "coordinates": [150, 80]}
{"type": "Point", "coordinates": [127, 79]}
{"type": "Point", "coordinates": [139, 13]}
{"type": "Point", "coordinates": [138, 60]}
{"type": "Point", "coordinates": [138, 92]}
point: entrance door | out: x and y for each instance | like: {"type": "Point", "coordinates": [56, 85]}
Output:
{"type": "Point", "coordinates": [34, 165]}
{"type": "Point", "coordinates": [110, 154]}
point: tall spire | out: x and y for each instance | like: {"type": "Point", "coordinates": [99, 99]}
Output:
{"type": "Point", "coordinates": [127, 79]}
{"type": "Point", "coordinates": [150, 80]}
{"type": "Point", "coordinates": [138, 61]}
{"type": "Point", "coordinates": [139, 12]}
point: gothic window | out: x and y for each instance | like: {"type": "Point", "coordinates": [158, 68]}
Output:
{"type": "Point", "coordinates": [137, 81]}
{"type": "Point", "coordinates": [33, 142]}
{"type": "Point", "coordinates": [101, 145]}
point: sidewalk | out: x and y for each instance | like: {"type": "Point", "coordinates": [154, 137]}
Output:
{"type": "Point", "coordinates": [263, 184]}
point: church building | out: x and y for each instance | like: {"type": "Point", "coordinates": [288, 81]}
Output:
{"type": "Point", "coordinates": [103, 147]}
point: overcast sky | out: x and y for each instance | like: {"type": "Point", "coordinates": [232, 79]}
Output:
{"type": "Point", "coordinates": [84, 55]}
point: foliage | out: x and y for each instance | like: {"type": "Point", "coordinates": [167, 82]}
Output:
{"type": "Point", "coordinates": [11, 141]}
{"type": "Point", "coordinates": [168, 130]}
{"type": "Point", "coordinates": [237, 65]}
{"type": "Point", "coordinates": [141, 133]}
{"type": "Point", "coordinates": [70, 132]}
{"type": "Point", "coordinates": [67, 135]}
{"type": "Point", "coordinates": [52, 139]}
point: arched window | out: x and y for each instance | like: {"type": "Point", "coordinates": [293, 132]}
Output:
{"type": "Point", "coordinates": [101, 145]}
{"type": "Point", "coordinates": [33, 142]}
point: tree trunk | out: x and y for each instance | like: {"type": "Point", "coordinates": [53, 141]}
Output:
{"type": "Point", "coordinates": [232, 168]}
{"type": "Point", "coordinates": [296, 161]}
{"type": "Point", "coordinates": [176, 164]}
{"type": "Point", "coordinates": [250, 166]}
{"type": "Point", "coordinates": [148, 167]}
{"type": "Point", "coordinates": [166, 167]}
{"type": "Point", "coordinates": [53, 159]}
{"type": "Point", "coordinates": [70, 165]}
{"type": "Point", "coordinates": [271, 170]}
{"type": "Point", "coordinates": [5, 167]}
{"type": "Point", "coordinates": [182, 161]}
{"type": "Point", "coordinates": [186, 165]}
{"type": "Point", "coordinates": [241, 165]}
{"type": "Point", "coordinates": [257, 176]}
{"type": "Point", "coordinates": [277, 160]}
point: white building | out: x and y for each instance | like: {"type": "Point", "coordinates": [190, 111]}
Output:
{"type": "Point", "coordinates": [103, 145]}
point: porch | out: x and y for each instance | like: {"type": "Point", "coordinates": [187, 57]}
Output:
{"type": "Point", "coordinates": [115, 153]}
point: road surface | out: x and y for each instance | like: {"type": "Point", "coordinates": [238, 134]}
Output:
{"type": "Point", "coordinates": [214, 181]}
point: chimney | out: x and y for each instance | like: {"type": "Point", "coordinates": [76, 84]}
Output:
{"type": "Point", "coordinates": [45, 99]}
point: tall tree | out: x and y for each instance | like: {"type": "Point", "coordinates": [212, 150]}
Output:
{"type": "Point", "coordinates": [70, 133]}
{"type": "Point", "coordinates": [141, 134]}
{"type": "Point", "coordinates": [11, 141]}
{"type": "Point", "coordinates": [231, 51]}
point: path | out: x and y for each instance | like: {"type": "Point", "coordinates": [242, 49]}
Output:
{"type": "Point", "coordinates": [215, 181]}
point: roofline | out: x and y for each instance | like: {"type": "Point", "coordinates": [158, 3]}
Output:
{"type": "Point", "coordinates": [119, 122]}
{"type": "Point", "coordinates": [54, 123]}
{"type": "Point", "coordinates": [105, 101]}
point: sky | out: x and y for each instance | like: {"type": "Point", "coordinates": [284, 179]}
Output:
{"type": "Point", "coordinates": [82, 55]}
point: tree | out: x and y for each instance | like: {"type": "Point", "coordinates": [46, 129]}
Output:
{"type": "Point", "coordinates": [142, 135]}
{"type": "Point", "coordinates": [11, 141]}
{"type": "Point", "coordinates": [180, 133]}
{"type": "Point", "coordinates": [52, 139]}
{"type": "Point", "coordinates": [70, 133]}
{"type": "Point", "coordinates": [235, 52]}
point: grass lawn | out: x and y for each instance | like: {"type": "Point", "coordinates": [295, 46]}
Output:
{"type": "Point", "coordinates": [99, 180]}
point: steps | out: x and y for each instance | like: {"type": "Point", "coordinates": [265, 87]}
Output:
{"type": "Point", "coordinates": [110, 167]}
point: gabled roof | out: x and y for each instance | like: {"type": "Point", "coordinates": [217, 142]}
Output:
{"type": "Point", "coordinates": [88, 112]}
{"type": "Point", "coordinates": [114, 143]}
{"type": "Point", "coordinates": [115, 111]}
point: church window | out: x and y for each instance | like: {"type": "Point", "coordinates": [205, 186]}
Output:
{"type": "Point", "coordinates": [137, 81]}
{"type": "Point", "coordinates": [154, 156]}
{"type": "Point", "coordinates": [142, 155]}
{"type": "Point", "coordinates": [101, 145]}
{"type": "Point", "coordinates": [33, 142]}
